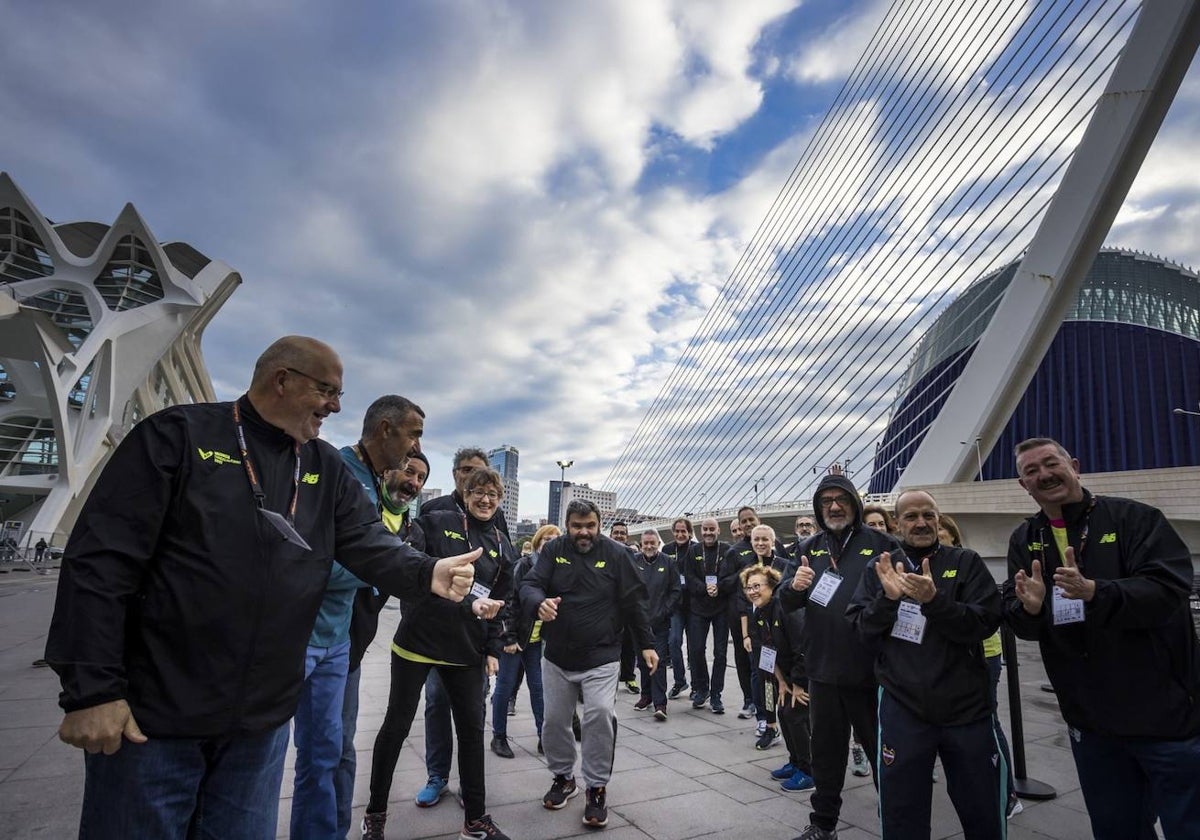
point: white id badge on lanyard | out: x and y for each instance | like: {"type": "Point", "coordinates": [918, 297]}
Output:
{"type": "Point", "coordinates": [1066, 610]}
{"type": "Point", "coordinates": [826, 586]}
{"type": "Point", "coordinates": [710, 580]}
{"type": "Point", "coordinates": [481, 591]}
{"type": "Point", "coordinates": [910, 623]}
{"type": "Point", "coordinates": [766, 659]}
{"type": "Point", "coordinates": [681, 580]}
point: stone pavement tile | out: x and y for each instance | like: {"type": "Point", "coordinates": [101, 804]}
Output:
{"type": "Point", "coordinates": [628, 758]}
{"type": "Point", "coordinates": [1052, 765]}
{"type": "Point", "coordinates": [789, 809]}
{"type": "Point", "coordinates": [18, 714]}
{"type": "Point", "coordinates": [686, 764]}
{"type": "Point", "coordinates": [21, 795]}
{"type": "Point", "coordinates": [653, 783]}
{"type": "Point", "coordinates": [19, 743]}
{"type": "Point", "coordinates": [695, 815]}
{"type": "Point", "coordinates": [1054, 820]}
{"type": "Point", "coordinates": [53, 759]}
{"type": "Point", "coordinates": [741, 789]}
{"type": "Point", "coordinates": [37, 822]}
{"type": "Point", "coordinates": [1072, 799]}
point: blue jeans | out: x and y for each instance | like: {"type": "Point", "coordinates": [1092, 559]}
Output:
{"type": "Point", "coordinates": [439, 737]}
{"type": "Point", "coordinates": [318, 736]}
{"type": "Point", "coordinates": [195, 788]}
{"type": "Point", "coordinates": [678, 663]}
{"type": "Point", "coordinates": [1127, 781]}
{"type": "Point", "coordinates": [343, 779]}
{"type": "Point", "coordinates": [506, 684]}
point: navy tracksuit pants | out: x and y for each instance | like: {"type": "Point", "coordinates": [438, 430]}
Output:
{"type": "Point", "coordinates": [975, 768]}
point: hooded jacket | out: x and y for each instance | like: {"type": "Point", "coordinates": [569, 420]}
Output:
{"type": "Point", "coordinates": [833, 652]}
{"type": "Point", "coordinates": [1131, 668]}
{"type": "Point", "coordinates": [943, 680]}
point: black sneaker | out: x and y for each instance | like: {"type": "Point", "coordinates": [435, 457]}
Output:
{"type": "Point", "coordinates": [718, 708]}
{"type": "Point", "coordinates": [699, 698]}
{"type": "Point", "coordinates": [595, 812]}
{"type": "Point", "coordinates": [372, 825]}
{"type": "Point", "coordinates": [560, 791]}
{"type": "Point", "coordinates": [676, 690]}
{"type": "Point", "coordinates": [815, 832]}
{"type": "Point", "coordinates": [767, 739]}
{"type": "Point", "coordinates": [482, 829]}
{"type": "Point", "coordinates": [642, 704]}
{"type": "Point", "coordinates": [660, 712]}
{"type": "Point", "coordinates": [632, 687]}
{"type": "Point", "coordinates": [500, 747]}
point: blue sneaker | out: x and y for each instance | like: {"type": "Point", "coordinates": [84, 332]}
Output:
{"type": "Point", "coordinates": [784, 772]}
{"type": "Point", "coordinates": [431, 794]}
{"type": "Point", "coordinates": [799, 781]}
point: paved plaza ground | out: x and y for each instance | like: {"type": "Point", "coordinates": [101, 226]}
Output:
{"type": "Point", "coordinates": [695, 775]}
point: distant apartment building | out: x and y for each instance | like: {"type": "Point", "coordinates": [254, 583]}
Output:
{"type": "Point", "coordinates": [504, 460]}
{"type": "Point", "coordinates": [605, 500]}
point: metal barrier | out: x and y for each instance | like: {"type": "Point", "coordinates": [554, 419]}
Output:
{"type": "Point", "coordinates": [1026, 787]}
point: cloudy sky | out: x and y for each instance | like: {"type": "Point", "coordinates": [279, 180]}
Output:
{"type": "Point", "coordinates": [515, 213]}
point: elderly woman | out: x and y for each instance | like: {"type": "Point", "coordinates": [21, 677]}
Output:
{"type": "Point", "coordinates": [461, 641]}
{"type": "Point", "coordinates": [522, 649]}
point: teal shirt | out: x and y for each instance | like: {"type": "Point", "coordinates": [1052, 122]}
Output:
{"type": "Point", "coordinates": [333, 619]}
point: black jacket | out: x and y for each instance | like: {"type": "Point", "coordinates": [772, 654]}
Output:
{"type": "Point", "coordinates": [368, 601]}
{"type": "Point", "coordinates": [602, 593]}
{"type": "Point", "coordinates": [450, 632]}
{"type": "Point", "coordinates": [705, 562]}
{"type": "Point", "coordinates": [944, 680]}
{"type": "Point", "coordinates": [177, 595]}
{"type": "Point", "coordinates": [453, 503]}
{"type": "Point", "coordinates": [1132, 667]}
{"type": "Point", "coordinates": [680, 557]}
{"type": "Point", "coordinates": [791, 648]}
{"type": "Point", "coordinates": [833, 651]}
{"type": "Point", "coordinates": [662, 588]}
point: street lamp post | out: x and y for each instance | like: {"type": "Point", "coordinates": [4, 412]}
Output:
{"type": "Point", "coordinates": [562, 486]}
{"type": "Point", "coordinates": [978, 455]}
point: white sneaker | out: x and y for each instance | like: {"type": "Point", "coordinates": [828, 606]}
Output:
{"type": "Point", "coordinates": [1014, 807]}
{"type": "Point", "coordinates": [761, 728]}
{"type": "Point", "coordinates": [859, 765]}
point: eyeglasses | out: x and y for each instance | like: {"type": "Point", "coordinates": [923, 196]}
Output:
{"type": "Point", "coordinates": [329, 392]}
{"type": "Point", "coordinates": [754, 587]}
{"type": "Point", "coordinates": [485, 494]}
{"type": "Point", "coordinates": [840, 501]}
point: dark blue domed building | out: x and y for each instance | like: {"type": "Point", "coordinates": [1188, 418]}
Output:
{"type": "Point", "coordinates": [1127, 353]}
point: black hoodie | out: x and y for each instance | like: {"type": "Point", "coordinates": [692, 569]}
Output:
{"type": "Point", "coordinates": [833, 651]}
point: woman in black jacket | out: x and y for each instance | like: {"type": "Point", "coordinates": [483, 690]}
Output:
{"type": "Point", "coordinates": [461, 640]}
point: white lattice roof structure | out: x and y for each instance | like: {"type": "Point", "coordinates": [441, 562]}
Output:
{"type": "Point", "coordinates": [99, 326]}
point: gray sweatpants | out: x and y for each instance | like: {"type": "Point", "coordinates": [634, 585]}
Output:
{"type": "Point", "coordinates": [561, 691]}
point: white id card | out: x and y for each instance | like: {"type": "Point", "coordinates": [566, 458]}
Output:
{"type": "Point", "coordinates": [766, 659]}
{"type": "Point", "coordinates": [1067, 610]}
{"type": "Point", "coordinates": [481, 591]}
{"type": "Point", "coordinates": [910, 623]}
{"type": "Point", "coordinates": [681, 581]}
{"type": "Point", "coordinates": [826, 586]}
{"type": "Point", "coordinates": [710, 580]}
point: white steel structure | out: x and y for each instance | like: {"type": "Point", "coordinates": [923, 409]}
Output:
{"type": "Point", "coordinates": [99, 326]}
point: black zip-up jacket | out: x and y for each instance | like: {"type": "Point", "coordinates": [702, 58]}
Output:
{"type": "Point", "coordinates": [791, 648]}
{"type": "Point", "coordinates": [441, 629]}
{"type": "Point", "coordinates": [680, 557]}
{"type": "Point", "coordinates": [662, 589]}
{"type": "Point", "coordinates": [710, 561]}
{"type": "Point", "coordinates": [454, 503]}
{"type": "Point", "coordinates": [177, 595]}
{"type": "Point", "coordinates": [765, 627]}
{"type": "Point", "coordinates": [364, 617]}
{"type": "Point", "coordinates": [602, 593]}
{"type": "Point", "coordinates": [1132, 668]}
{"type": "Point", "coordinates": [833, 651]}
{"type": "Point", "coordinates": [944, 680]}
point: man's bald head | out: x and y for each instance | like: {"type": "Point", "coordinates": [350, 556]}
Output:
{"type": "Point", "coordinates": [297, 383]}
{"type": "Point", "coordinates": [291, 351]}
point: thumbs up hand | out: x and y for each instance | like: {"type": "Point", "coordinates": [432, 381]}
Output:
{"type": "Point", "coordinates": [804, 575]}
